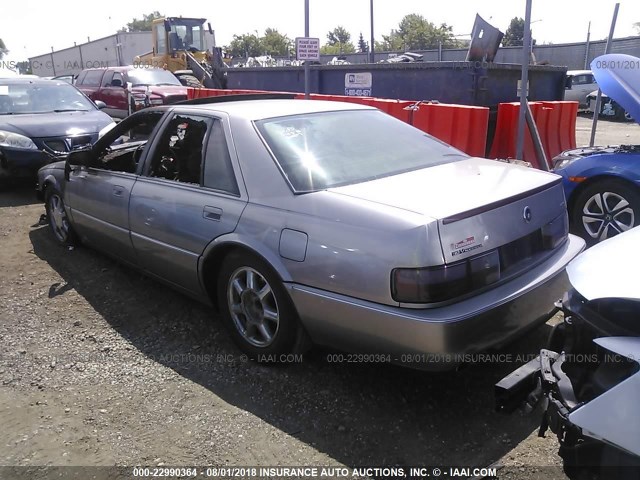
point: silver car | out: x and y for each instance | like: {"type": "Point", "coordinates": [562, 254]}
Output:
{"type": "Point", "coordinates": [312, 222]}
{"type": "Point", "coordinates": [579, 84]}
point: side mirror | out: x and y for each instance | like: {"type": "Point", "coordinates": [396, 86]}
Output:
{"type": "Point", "coordinates": [209, 27]}
{"type": "Point", "coordinates": [100, 104]}
{"type": "Point", "coordinates": [81, 157]}
{"type": "Point", "coordinates": [167, 26]}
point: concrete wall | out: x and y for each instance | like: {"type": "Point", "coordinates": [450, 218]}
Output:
{"type": "Point", "coordinates": [118, 49]}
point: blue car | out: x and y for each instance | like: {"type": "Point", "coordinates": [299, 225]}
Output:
{"type": "Point", "coordinates": [602, 184]}
{"type": "Point", "coordinates": [602, 187]}
{"type": "Point", "coordinates": [42, 120]}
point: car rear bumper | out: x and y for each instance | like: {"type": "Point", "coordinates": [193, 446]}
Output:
{"type": "Point", "coordinates": [437, 338]}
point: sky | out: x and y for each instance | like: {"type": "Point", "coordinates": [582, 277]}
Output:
{"type": "Point", "coordinates": [31, 28]}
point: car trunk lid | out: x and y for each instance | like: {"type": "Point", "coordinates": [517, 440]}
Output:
{"type": "Point", "coordinates": [479, 204]}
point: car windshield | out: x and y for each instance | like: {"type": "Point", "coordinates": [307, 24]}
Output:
{"type": "Point", "coordinates": [141, 76]}
{"type": "Point", "coordinates": [329, 149]}
{"type": "Point", "coordinates": [37, 97]}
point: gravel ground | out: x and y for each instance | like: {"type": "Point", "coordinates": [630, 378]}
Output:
{"type": "Point", "coordinates": [102, 366]}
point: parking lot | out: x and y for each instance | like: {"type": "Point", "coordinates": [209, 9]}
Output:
{"type": "Point", "coordinates": [103, 366]}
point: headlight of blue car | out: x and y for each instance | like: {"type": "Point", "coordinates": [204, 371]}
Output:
{"type": "Point", "coordinates": [15, 140]}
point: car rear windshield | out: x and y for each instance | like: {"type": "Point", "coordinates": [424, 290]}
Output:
{"type": "Point", "coordinates": [142, 76]}
{"type": "Point", "coordinates": [41, 97]}
{"type": "Point", "coordinates": [329, 149]}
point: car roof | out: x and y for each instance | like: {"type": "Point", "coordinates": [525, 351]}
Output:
{"type": "Point", "coordinates": [261, 109]}
{"type": "Point", "coordinates": [31, 79]}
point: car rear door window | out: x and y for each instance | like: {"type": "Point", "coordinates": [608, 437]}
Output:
{"type": "Point", "coordinates": [218, 170]}
{"type": "Point", "coordinates": [179, 153]}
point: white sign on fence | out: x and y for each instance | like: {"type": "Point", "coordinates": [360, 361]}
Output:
{"type": "Point", "coordinates": [358, 84]}
{"type": "Point", "coordinates": [307, 48]}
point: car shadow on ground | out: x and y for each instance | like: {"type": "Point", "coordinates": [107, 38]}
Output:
{"type": "Point", "coordinates": [17, 193]}
{"type": "Point", "coordinates": [356, 413]}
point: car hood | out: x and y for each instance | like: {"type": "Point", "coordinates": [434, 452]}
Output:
{"type": "Point", "coordinates": [465, 184]}
{"type": "Point", "coordinates": [608, 269]}
{"type": "Point", "coordinates": [162, 90]}
{"type": "Point", "coordinates": [617, 77]}
{"type": "Point", "coordinates": [55, 124]}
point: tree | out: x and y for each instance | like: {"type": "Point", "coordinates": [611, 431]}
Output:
{"type": "Point", "coordinates": [247, 45]}
{"type": "Point", "coordinates": [338, 41]}
{"type": "Point", "coordinates": [637, 27]}
{"type": "Point", "coordinates": [363, 47]}
{"type": "Point", "coordinates": [514, 36]}
{"type": "Point", "coordinates": [390, 43]}
{"type": "Point", "coordinates": [143, 25]}
{"type": "Point", "coordinates": [417, 33]}
{"type": "Point", "coordinates": [338, 35]}
{"type": "Point", "coordinates": [276, 44]}
{"type": "Point", "coordinates": [3, 49]}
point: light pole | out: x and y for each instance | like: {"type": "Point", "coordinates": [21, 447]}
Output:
{"type": "Point", "coordinates": [372, 48]}
{"type": "Point", "coordinates": [306, 63]}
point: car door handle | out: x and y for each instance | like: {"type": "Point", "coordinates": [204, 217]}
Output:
{"type": "Point", "coordinates": [212, 213]}
{"type": "Point", "coordinates": [118, 191]}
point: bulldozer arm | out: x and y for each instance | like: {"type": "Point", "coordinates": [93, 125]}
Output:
{"type": "Point", "coordinates": [211, 75]}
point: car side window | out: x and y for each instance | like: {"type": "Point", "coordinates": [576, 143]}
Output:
{"type": "Point", "coordinates": [121, 148]}
{"type": "Point", "coordinates": [92, 78]}
{"type": "Point", "coordinates": [218, 170]}
{"type": "Point", "coordinates": [81, 76]}
{"type": "Point", "coordinates": [117, 80]}
{"type": "Point", "coordinates": [179, 152]}
{"type": "Point", "coordinates": [106, 79]}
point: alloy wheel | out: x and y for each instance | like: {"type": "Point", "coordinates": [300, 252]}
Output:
{"type": "Point", "coordinates": [58, 218]}
{"type": "Point", "coordinates": [606, 214]}
{"type": "Point", "coordinates": [253, 307]}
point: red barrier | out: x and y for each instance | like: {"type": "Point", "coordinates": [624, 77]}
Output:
{"type": "Point", "coordinates": [464, 127]}
{"type": "Point", "coordinates": [564, 136]}
{"type": "Point", "coordinates": [556, 123]}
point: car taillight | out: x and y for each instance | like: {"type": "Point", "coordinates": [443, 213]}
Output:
{"type": "Point", "coordinates": [438, 284]}
{"type": "Point", "coordinates": [555, 232]}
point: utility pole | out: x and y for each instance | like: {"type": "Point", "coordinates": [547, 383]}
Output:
{"type": "Point", "coordinates": [526, 52]}
{"type": "Point", "coordinates": [373, 52]}
{"type": "Point", "coordinates": [306, 63]}
{"type": "Point", "coordinates": [607, 49]}
{"type": "Point", "coordinates": [586, 50]}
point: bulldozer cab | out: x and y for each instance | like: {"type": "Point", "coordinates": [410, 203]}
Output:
{"type": "Point", "coordinates": [182, 34]}
{"type": "Point", "coordinates": [179, 45]}
{"type": "Point", "coordinates": [172, 35]}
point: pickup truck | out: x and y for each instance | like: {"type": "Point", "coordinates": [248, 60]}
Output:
{"type": "Point", "coordinates": [128, 89]}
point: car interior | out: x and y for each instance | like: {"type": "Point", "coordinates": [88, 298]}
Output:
{"type": "Point", "coordinates": [123, 154]}
{"type": "Point", "coordinates": [179, 153]}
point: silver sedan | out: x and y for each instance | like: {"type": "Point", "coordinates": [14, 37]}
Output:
{"type": "Point", "coordinates": [312, 222]}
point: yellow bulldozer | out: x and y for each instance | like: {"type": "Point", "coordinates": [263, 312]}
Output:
{"type": "Point", "coordinates": [179, 46]}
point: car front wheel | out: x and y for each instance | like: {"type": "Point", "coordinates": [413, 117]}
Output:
{"type": "Point", "coordinates": [257, 310]}
{"type": "Point", "coordinates": [57, 217]}
{"type": "Point", "coordinates": [606, 208]}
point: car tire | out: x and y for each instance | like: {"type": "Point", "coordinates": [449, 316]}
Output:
{"type": "Point", "coordinates": [57, 218]}
{"type": "Point", "coordinates": [257, 310]}
{"type": "Point", "coordinates": [604, 209]}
